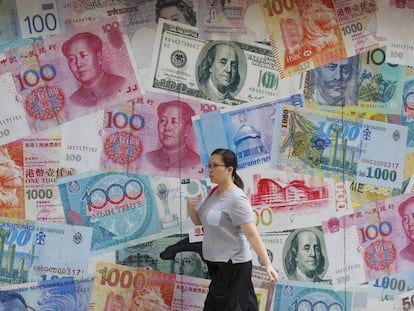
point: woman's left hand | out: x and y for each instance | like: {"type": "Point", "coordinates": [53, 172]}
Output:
{"type": "Point", "coordinates": [272, 273]}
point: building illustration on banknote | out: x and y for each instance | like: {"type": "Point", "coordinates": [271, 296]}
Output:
{"type": "Point", "coordinates": [280, 194]}
{"type": "Point", "coordinates": [9, 273]}
{"type": "Point", "coordinates": [309, 145]}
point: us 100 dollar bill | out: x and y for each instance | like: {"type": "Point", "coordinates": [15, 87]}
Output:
{"type": "Point", "coordinates": [221, 71]}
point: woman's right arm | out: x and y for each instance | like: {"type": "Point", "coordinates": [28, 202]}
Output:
{"type": "Point", "coordinates": [192, 209]}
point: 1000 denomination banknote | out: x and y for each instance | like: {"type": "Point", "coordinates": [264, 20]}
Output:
{"type": "Point", "coordinates": [301, 296]}
{"type": "Point", "coordinates": [118, 287]}
{"type": "Point", "coordinates": [310, 141]}
{"type": "Point", "coordinates": [362, 83]}
{"type": "Point", "coordinates": [125, 209]}
{"type": "Point", "coordinates": [55, 84]}
{"type": "Point", "coordinates": [309, 34]}
{"type": "Point", "coordinates": [29, 178]}
{"type": "Point", "coordinates": [389, 287]}
{"type": "Point", "coordinates": [119, 207]}
{"type": "Point", "coordinates": [225, 72]}
{"type": "Point", "coordinates": [375, 240]}
{"type": "Point", "coordinates": [285, 200]}
{"type": "Point", "coordinates": [247, 130]}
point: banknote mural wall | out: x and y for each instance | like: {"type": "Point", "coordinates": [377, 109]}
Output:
{"type": "Point", "coordinates": [109, 111]}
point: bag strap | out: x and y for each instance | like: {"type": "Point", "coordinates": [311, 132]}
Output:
{"type": "Point", "coordinates": [213, 190]}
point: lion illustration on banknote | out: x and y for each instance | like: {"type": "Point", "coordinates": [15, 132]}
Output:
{"type": "Point", "coordinates": [318, 26]}
{"type": "Point", "coordinates": [10, 180]}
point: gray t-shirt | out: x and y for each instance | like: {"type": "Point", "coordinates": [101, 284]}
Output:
{"type": "Point", "coordinates": [221, 217]}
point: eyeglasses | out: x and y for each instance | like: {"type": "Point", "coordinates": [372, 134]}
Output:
{"type": "Point", "coordinates": [213, 166]}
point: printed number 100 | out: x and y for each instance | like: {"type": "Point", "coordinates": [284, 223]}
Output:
{"type": "Point", "coordinates": [37, 23]}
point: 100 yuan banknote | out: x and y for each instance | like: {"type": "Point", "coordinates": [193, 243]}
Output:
{"type": "Point", "coordinates": [374, 241]}
{"type": "Point", "coordinates": [285, 200]}
{"type": "Point", "coordinates": [309, 34]}
{"type": "Point", "coordinates": [397, 21]}
{"type": "Point", "coordinates": [310, 141]}
{"type": "Point", "coordinates": [247, 130]}
{"type": "Point", "coordinates": [140, 18]}
{"type": "Point", "coordinates": [362, 83]}
{"type": "Point", "coordinates": [152, 135]}
{"type": "Point", "coordinates": [55, 84]}
{"type": "Point", "coordinates": [227, 72]}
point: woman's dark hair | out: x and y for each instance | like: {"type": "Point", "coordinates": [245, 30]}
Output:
{"type": "Point", "coordinates": [189, 14]}
{"type": "Point", "coordinates": [230, 160]}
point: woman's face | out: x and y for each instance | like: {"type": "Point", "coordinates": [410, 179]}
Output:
{"type": "Point", "coordinates": [173, 13]}
{"type": "Point", "coordinates": [217, 170]}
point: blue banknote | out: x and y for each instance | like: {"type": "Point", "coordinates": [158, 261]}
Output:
{"type": "Point", "coordinates": [291, 295]}
{"type": "Point", "coordinates": [119, 207]}
{"type": "Point", "coordinates": [53, 247]}
{"type": "Point", "coordinates": [38, 251]}
{"type": "Point", "coordinates": [390, 286]}
{"type": "Point", "coordinates": [57, 294]}
{"type": "Point", "coordinates": [245, 129]}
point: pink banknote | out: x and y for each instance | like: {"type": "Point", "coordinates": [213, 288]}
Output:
{"type": "Point", "coordinates": [376, 240]}
{"type": "Point", "coordinates": [153, 136]}
{"type": "Point", "coordinates": [66, 76]}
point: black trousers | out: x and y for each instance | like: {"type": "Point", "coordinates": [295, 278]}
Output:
{"type": "Point", "coordinates": [231, 287]}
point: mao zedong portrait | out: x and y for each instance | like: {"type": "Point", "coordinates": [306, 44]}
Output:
{"type": "Point", "coordinates": [406, 211]}
{"type": "Point", "coordinates": [219, 73]}
{"type": "Point", "coordinates": [174, 129]}
{"type": "Point", "coordinates": [304, 260]}
{"type": "Point", "coordinates": [83, 52]}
